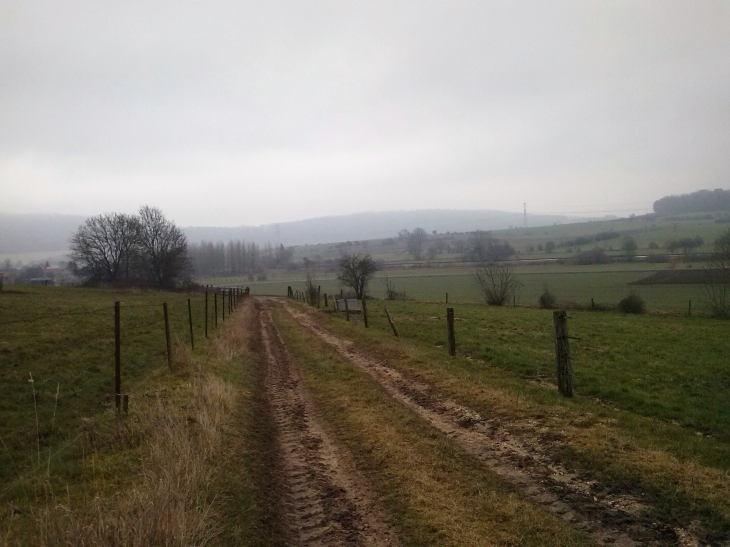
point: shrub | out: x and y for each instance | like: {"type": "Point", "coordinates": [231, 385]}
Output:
{"type": "Point", "coordinates": [547, 300]}
{"type": "Point", "coordinates": [633, 303]}
{"type": "Point", "coordinates": [595, 256]}
{"type": "Point", "coordinates": [496, 282]}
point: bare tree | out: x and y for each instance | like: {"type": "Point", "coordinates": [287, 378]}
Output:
{"type": "Point", "coordinates": [163, 247]}
{"type": "Point", "coordinates": [717, 287]}
{"type": "Point", "coordinates": [484, 247]}
{"type": "Point", "coordinates": [104, 247]}
{"type": "Point", "coordinates": [416, 240]}
{"type": "Point", "coordinates": [391, 293]}
{"type": "Point", "coordinates": [496, 282]}
{"type": "Point", "coordinates": [629, 246]}
{"type": "Point", "coordinates": [310, 288]}
{"type": "Point", "coordinates": [356, 271]}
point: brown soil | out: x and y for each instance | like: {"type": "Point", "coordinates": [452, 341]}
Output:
{"type": "Point", "coordinates": [324, 500]}
{"type": "Point", "coordinates": [518, 456]}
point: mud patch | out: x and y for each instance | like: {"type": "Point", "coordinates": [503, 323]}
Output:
{"type": "Point", "coordinates": [523, 460]}
{"type": "Point", "coordinates": [324, 501]}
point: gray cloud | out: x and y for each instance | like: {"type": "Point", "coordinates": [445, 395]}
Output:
{"type": "Point", "coordinates": [245, 113]}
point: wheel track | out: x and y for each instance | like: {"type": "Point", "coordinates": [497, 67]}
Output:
{"type": "Point", "coordinates": [607, 518]}
{"type": "Point", "coordinates": [324, 500]}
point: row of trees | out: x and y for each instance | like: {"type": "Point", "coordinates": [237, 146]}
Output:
{"type": "Point", "coordinates": [702, 201]}
{"type": "Point", "coordinates": [237, 258]}
{"type": "Point", "coordinates": [480, 246]}
{"type": "Point", "coordinates": [143, 248]}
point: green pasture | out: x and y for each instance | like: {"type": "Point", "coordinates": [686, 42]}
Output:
{"type": "Point", "coordinates": [605, 284]}
{"type": "Point", "coordinates": [667, 367]}
{"type": "Point", "coordinates": [64, 338]}
{"type": "Point", "coordinates": [645, 230]}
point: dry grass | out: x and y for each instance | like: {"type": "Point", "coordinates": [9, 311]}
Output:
{"type": "Point", "coordinates": [621, 448]}
{"type": "Point", "coordinates": [166, 453]}
{"type": "Point", "coordinates": [433, 492]}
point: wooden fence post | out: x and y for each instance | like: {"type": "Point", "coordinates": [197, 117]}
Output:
{"type": "Point", "coordinates": [167, 335]}
{"type": "Point", "coordinates": [392, 325]}
{"type": "Point", "coordinates": [450, 323]}
{"type": "Point", "coordinates": [562, 354]}
{"type": "Point", "coordinates": [117, 358]}
{"type": "Point", "coordinates": [190, 319]}
{"type": "Point", "coordinates": [447, 298]}
{"type": "Point", "coordinates": [364, 311]}
{"type": "Point", "coordinates": [206, 314]}
{"type": "Point", "coordinates": [347, 311]}
{"type": "Point", "coordinates": [319, 294]}
{"type": "Point", "coordinates": [689, 311]}
{"type": "Point", "coordinates": [326, 305]}
{"type": "Point", "coordinates": [215, 310]}
{"type": "Point", "coordinates": [223, 304]}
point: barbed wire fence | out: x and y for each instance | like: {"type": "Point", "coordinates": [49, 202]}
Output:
{"type": "Point", "coordinates": [110, 334]}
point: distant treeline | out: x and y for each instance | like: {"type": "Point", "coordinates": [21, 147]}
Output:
{"type": "Point", "coordinates": [585, 240]}
{"type": "Point", "coordinates": [237, 258]}
{"type": "Point", "coordinates": [702, 201]}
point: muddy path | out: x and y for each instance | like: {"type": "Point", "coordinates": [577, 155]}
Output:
{"type": "Point", "coordinates": [521, 459]}
{"type": "Point", "coordinates": [324, 499]}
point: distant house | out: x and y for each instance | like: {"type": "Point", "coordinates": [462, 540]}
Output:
{"type": "Point", "coordinates": [42, 281]}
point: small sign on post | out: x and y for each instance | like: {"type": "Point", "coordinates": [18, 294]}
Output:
{"type": "Point", "coordinates": [562, 354]}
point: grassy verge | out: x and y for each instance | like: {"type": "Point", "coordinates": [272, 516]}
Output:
{"type": "Point", "coordinates": [433, 493]}
{"type": "Point", "coordinates": [672, 449]}
{"type": "Point", "coordinates": [64, 338]}
{"type": "Point", "coordinates": [157, 475]}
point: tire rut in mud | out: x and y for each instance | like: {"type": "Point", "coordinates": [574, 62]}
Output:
{"type": "Point", "coordinates": [324, 500]}
{"type": "Point", "coordinates": [606, 517]}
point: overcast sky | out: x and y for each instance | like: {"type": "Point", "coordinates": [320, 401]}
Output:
{"type": "Point", "coordinates": [230, 113]}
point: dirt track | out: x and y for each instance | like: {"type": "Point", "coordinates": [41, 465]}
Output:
{"type": "Point", "coordinates": [324, 500]}
{"type": "Point", "coordinates": [520, 459]}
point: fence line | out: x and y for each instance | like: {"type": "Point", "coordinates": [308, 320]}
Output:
{"type": "Point", "coordinates": [235, 294]}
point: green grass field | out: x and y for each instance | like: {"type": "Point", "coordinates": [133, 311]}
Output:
{"type": "Point", "coordinates": [651, 411]}
{"type": "Point", "coordinates": [606, 284]}
{"type": "Point", "coordinates": [672, 368]}
{"type": "Point", "coordinates": [64, 338]}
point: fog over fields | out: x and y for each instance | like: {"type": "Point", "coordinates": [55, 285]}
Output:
{"type": "Point", "coordinates": [40, 233]}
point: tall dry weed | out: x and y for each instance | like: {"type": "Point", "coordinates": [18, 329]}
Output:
{"type": "Point", "coordinates": [170, 500]}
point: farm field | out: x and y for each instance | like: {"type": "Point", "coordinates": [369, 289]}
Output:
{"type": "Point", "coordinates": [656, 229]}
{"type": "Point", "coordinates": [64, 339]}
{"type": "Point", "coordinates": [291, 425]}
{"type": "Point", "coordinates": [606, 284]}
{"type": "Point", "coordinates": [650, 417]}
